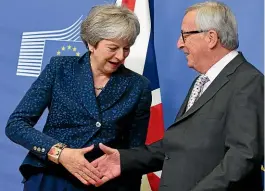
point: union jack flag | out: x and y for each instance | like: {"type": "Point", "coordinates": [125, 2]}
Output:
{"type": "Point", "coordinates": [142, 59]}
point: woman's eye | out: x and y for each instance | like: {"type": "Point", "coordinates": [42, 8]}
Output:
{"type": "Point", "coordinates": [112, 48]}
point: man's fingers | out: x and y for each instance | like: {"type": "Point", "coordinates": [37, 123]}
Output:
{"type": "Point", "coordinates": [105, 149]}
{"type": "Point", "coordinates": [96, 162]}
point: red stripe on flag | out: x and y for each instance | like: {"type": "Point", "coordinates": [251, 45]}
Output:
{"type": "Point", "coordinates": [156, 125]}
{"type": "Point", "coordinates": [154, 181]}
{"type": "Point", "coordinates": [129, 3]}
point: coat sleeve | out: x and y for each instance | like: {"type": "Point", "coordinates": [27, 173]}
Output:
{"type": "Point", "coordinates": [144, 159]}
{"type": "Point", "coordinates": [244, 138]}
{"type": "Point", "coordinates": [20, 125]}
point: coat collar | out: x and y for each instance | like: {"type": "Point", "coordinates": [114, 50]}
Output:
{"type": "Point", "coordinates": [84, 91]}
{"type": "Point", "coordinates": [214, 87]}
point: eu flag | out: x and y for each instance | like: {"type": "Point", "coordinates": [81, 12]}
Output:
{"type": "Point", "coordinates": [62, 48]}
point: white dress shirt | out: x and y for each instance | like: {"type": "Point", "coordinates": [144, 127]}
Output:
{"type": "Point", "coordinates": [213, 72]}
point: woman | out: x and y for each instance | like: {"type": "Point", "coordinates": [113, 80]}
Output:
{"type": "Point", "coordinates": [91, 99]}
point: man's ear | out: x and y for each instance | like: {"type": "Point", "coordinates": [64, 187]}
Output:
{"type": "Point", "coordinates": [212, 38]}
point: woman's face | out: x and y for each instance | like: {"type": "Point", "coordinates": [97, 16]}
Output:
{"type": "Point", "coordinates": [108, 55]}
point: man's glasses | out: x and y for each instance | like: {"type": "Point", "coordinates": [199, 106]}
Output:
{"type": "Point", "coordinates": [184, 35]}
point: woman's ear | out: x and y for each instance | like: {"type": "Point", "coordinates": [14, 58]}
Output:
{"type": "Point", "coordinates": [90, 48]}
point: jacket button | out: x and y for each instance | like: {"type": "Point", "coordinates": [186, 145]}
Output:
{"type": "Point", "coordinates": [98, 124]}
{"type": "Point", "coordinates": [167, 157]}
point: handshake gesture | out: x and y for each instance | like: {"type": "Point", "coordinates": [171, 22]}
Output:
{"type": "Point", "coordinates": [95, 173]}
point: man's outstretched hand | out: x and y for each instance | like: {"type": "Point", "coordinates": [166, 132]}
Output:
{"type": "Point", "coordinates": [109, 164]}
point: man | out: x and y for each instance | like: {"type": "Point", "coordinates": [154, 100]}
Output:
{"type": "Point", "coordinates": [216, 141]}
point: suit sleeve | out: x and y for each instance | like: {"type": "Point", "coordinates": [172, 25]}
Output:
{"type": "Point", "coordinates": [138, 130]}
{"type": "Point", "coordinates": [144, 159]}
{"type": "Point", "coordinates": [244, 138]}
{"type": "Point", "coordinates": [21, 122]}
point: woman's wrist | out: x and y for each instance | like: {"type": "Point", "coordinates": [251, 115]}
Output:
{"type": "Point", "coordinates": [55, 152]}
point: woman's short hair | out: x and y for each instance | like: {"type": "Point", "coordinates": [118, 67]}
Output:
{"type": "Point", "coordinates": [109, 22]}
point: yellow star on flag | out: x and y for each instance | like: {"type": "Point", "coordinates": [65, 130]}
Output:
{"type": "Point", "coordinates": [69, 47]}
{"type": "Point", "coordinates": [63, 48]}
{"type": "Point", "coordinates": [77, 54]}
{"type": "Point", "coordinates": [58, 53]}
{"type": "Point", "coordinates": [74, 49]}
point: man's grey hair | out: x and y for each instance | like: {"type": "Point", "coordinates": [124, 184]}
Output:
{"type": "Point", "coordinates": [109, 22]}
{"type": "Point", "coordinates": [217, 16]}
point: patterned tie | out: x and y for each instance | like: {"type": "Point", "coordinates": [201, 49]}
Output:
{"type": "Point", "coordinates": [196, 91]}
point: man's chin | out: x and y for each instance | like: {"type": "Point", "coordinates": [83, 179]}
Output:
{"type": "Point", "coordinates": [190, 65]}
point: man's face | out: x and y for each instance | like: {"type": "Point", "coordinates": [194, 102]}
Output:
{"type": "Point", "coordinates": [192, 42]}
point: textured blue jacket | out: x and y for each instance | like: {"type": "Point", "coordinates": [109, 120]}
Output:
{"type": "Point", "coordinates": [117, 117]}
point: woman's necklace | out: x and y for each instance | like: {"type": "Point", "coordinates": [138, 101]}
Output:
{"type": "Point", "coordinates": [99, 88]}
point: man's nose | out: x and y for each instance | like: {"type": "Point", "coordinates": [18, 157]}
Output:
{"type": "Point", "coordinates": [180, 43]}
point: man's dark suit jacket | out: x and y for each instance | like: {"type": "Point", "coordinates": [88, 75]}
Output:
{"type": "Point", "coordinates": [118, 117]}
{"type": "Point", "coordinates": [217, 145]}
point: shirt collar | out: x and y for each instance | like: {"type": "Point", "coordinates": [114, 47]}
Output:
{"type": "Point", "coordinates": [213, 72]}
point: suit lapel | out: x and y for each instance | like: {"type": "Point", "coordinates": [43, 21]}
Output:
{"type": "Point", "coordinates": [114, 89]}
{"type": "Point", "coordinates": [182, 109]}
{"type": "Point", "coordinates": [83, 86]}
{"type": "Point", "coordinates": [214, 87]}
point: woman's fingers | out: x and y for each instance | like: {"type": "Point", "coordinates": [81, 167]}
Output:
{"type": "Point", "coordinates": [104, 180]}
{"type": "Point", "coordinates": [87, 177]}
{"type": "Point", "coordinates": [107, 150]}
{"type": "Point", "coordinates": [79, 177]}
{"type": "Point", "coordinates": [87, 149]}
{"type": "Point", "coordinates": [74, 161]}
{"type": "Point", "coordinates": [95, 172]}
{"type": "Point", "coordinates": [90, 174]}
